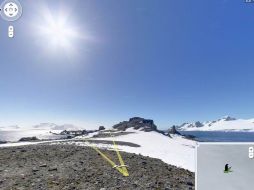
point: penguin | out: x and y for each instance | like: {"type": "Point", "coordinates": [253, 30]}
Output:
{"type": "Point", "coordinates": [226, 168]}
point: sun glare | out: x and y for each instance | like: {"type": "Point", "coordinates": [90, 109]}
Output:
{"type": "Point", "coordinates": [58, 32]}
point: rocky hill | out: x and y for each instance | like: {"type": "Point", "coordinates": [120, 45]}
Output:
{"type": "Point", "coordinates": [137, 123]}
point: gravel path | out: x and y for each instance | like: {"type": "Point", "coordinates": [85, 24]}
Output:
{"type": "Point", "coordinates": [43, 167]}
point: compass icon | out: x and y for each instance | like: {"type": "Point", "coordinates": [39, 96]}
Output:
{"type": "Point", "coordinates": [11, 10]}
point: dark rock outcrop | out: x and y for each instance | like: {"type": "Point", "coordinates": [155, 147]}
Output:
{"type": "Point", "coordinates": [228, 118]}
{"type": "Point", "coordinates": [101, 128]}
{"type": "Point", "coordinates": [198, 124]}
{"type": "Point", "coordinates": [173, 131]}
{"type": "Point", "coordinates": [137, 123]}
{"type": "Point", "coordinates": [74, 132]}
{"type": "Point", "coordinates": [28, 139]}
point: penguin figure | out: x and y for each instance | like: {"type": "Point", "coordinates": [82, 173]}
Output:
{"type": "Point", "coordinates": [226, 168]}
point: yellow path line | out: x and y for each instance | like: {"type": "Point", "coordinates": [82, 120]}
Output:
{"type": "Point", "coordinates": [123, 170]}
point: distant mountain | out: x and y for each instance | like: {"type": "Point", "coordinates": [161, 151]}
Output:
{"type": "Point", "coordinates": [226, 123]}
{"type": "Point", "coordinates": [12, 127]}
{"type": "Point", "coordinates": [66, 127]}
{"type": "Point", "coordinates": [52, 126]}
{"type": "Point", "coordinates": [197, 124]}
{"type": "Point", "coordinates": [45, 126]}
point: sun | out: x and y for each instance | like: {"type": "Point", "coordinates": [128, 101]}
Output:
{"type": "Point", "coordinates": [57, 32]}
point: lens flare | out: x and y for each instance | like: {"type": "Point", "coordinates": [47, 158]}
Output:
{"type": "Point", "coordinates": [57, 33]}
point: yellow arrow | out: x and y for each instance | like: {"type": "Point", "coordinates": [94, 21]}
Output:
{"type": "Point", "coordinates": [122, 168]}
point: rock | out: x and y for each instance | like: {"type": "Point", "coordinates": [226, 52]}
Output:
{"type": "Point", "coordinates": [101, 128]}
{"type": "Point", "coordinates": [43, 165]}
{"type": "Point", "coordinates": [74, 133]}
{"type": "Point", "coordinates": [198, 124]}
{"type": "Point", "coordinates": [137, 123]}
{"type": "Point", "coordinates": [52, 169]}
{"type": "Point", "coordinates": [35, 169]}
{"type": "Point", "coordinates": [228, 118]}
{"type": "Point", "coordinates": [28, 139]}
{"type": "Point", "coordinates": [190, 183]}
{"type": "Point", "coordinates": [134, 185]}
{"type": "Point", "coordinates": [92, 172]}
{"type": "Point", "coordinates": [3, 142]}
{"type": "Point", "coordinates": [69, 137]}
{"type": "Point", "coordinates": [173, 131]}
{"type": "Point", "coordinates": [55, 182]}
{"type": "Point", "coordinates": [144, 162]}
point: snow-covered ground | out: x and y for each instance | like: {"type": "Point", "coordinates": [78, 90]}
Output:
{"type": "Point", "coordinates": [224, 124]}
{"type": "Point", "coordinates": [176, 151]}
{"type": "Point", "coordinates": [14, 144]}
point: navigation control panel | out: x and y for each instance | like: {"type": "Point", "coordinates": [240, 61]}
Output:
{"type": "Point", "coordinates": [11, 10]}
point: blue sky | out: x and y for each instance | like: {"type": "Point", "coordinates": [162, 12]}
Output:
{"type": "Point", "coordinates": [172, 61]}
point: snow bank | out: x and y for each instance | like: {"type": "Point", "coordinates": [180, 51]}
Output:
{"type": "Point", "coordinates": [176, 151]}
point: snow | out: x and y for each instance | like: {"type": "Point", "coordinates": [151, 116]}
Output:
{"type": "Point", "coordinates": [10, 128]}
{"type": "Point", "coordinates": [176, 151]}
{"type": "Point", "coordinates": [222, 125]}
{"type": "Point", "coordinates": [15, 144]}
{"type": "Point", "coordinates": [87, 136]}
